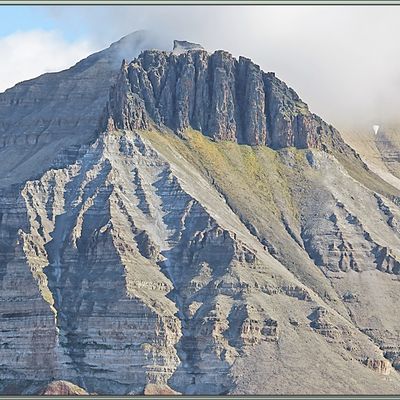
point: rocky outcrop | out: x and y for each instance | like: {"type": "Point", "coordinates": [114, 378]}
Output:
{"type": "Point", "coordinates": [159, 390]}
{"type": "Point", "coordinates": [62, 388]}
{"type": "Point", "coordinates": [321, 322]}
{"type": "Point", "coordinates": [225, 98]}
{"type": "Point", "coordinates": [348, 246]}
{"type": "Point", "coordinates": [381, 366]}
{"type": "Point", "coordinates": [289, 120]}
{"type": "Point", "coordinates": [180, 46]}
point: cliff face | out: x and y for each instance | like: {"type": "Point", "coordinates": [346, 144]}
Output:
{"type": "Point", "coordinates": [147, 258]}
{"type": "Point", "coordinates": [225, 98]}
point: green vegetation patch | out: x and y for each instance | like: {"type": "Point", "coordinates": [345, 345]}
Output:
{"type": "Point", "coordinates": [253, 179]}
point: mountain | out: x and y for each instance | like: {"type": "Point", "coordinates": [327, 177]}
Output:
{"type": "Point", "coordinates": [380, 151]}
{"type": "Point", "coordinates": [182, 223]}
{"type": "Point", "coordinates": [58, 110]}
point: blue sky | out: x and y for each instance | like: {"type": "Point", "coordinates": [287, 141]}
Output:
{"type": "Point", "coordinates": [27, 18]}
{"type": "Point", "coordinates": [39, 39]}
{"type": "Point", "coordinates": [22, 18]}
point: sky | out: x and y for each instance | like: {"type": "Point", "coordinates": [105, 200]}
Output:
{"type": "Point", "coordinates": [343, 61]}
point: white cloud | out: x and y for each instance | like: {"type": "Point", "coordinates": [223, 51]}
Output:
{"type": "Point", "coordinates": [26, 55]}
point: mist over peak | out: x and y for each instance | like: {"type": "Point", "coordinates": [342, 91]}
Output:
{"type": "Point", "coordinates": [343, 61]}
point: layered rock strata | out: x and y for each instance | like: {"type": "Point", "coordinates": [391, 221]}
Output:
{"type": "Point", "coordinates": [134, 260]}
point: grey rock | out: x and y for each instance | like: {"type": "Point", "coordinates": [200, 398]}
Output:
{"type": "Point", "coordinates": [181, 46]}
{"type": "Point", "coordinates": [224, 98]}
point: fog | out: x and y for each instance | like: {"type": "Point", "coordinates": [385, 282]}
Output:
{"type": "Point", "coordinates": [343, 61]}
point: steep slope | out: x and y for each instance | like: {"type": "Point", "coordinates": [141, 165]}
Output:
{"type": "Point", "coordinates": [56, 110]}
{"type": "Point", "coordinates": [304, 207]}
{"type": "Point", "coordinates": [380, 152]}
{"type": "Point", "coordinates": [148, 277]}
{"type": "Point", "coordinates": [214, 236]}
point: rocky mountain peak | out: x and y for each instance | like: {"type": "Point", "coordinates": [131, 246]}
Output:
{"type": "Point", "coordinates": [61, 108]}
{"type": "Point", "coordinates": [180, 46]}
{"type": "Point", "coordinates": [223, 97]}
